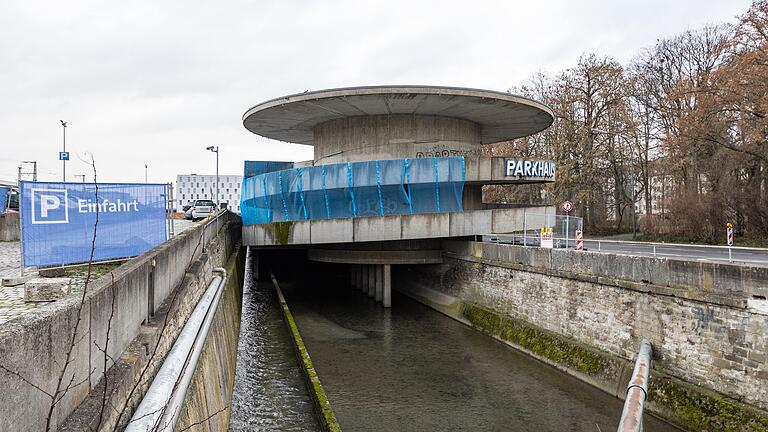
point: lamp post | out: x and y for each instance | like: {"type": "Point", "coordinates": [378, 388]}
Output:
{"type": "Point", "coordinates": [64, 149]}
{"type": "Point", "coordinates": [216, 150]}
{"type": "Point", "coordinates": [145, 173]}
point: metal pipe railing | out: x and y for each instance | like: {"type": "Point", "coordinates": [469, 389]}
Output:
{"type": "Point", "coordinates": [637, 391]}
{"type": "Point", "coordinates": [161, 406]}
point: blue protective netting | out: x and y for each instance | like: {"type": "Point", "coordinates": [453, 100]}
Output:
{"type": "Point", "coordinates": [354, 189]}
{"type": "Point", "coordinates": [253, 168]}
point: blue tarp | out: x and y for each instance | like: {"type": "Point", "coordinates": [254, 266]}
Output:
{"type": "Point", "coordinates": [58, 218]}
{"type": "Point", "coordinates": [253, 168]}
{"type": "Point", "coordinates": [355, 189]}
{"type": "Point", "coordinates": [3, 198]}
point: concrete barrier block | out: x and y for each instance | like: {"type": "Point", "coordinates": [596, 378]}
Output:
{"type": "Point", "coordinates": [472, 168]}
{"type": "Point", "coordinates": [490, 251]}
{"type": "Point", "coordinates": [332, 231]}
{"type": "Point", "coordinates": [754, 281]}
{"type": "Point", "coordinates": [726, 278]}
{"type": "Point", "coordinates": [425, 226]}
{"type": "Point", "coordinates": [376, 228]}
{"type": "Point", "coordinates": [254, 235]}
{"type": "Point", "coordinates": [46, 289]}
{"type": "Point", "coordinates": [507, 220]}
{"type": "Point", "coordinates": [686, 274]}
{"type": "Point", "coordinates": [468, 223]}
{"type": "Point", "coordinates": [651, 270]}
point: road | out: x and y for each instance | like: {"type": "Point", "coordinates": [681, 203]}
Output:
{"type": "Point", "coordinates": [750, 256]}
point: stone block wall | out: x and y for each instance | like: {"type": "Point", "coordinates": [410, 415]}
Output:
{"type": "Point", "coordinates": [710, 343]}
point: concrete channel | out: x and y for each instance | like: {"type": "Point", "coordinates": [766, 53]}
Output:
{"type": "Point", "coordinates": [404, 368]}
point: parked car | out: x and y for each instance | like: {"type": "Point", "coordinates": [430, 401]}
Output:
{"type": "Point", "coordinates": [202, 209]}
{"type": "Point", "coordinates": [188, 213]}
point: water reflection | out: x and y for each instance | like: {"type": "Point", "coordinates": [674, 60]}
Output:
{"type": "Point", "coordinates": [413, 369]}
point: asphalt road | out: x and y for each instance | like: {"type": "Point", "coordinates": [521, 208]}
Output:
{"type": "Point", "coordinates": [750, 256]}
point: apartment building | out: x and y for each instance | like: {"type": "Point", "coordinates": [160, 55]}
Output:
{"type": "Point", "coordinates": [190, 187]}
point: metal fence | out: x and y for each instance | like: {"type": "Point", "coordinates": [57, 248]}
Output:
{"type": "Point", "coordinates": [563, 232]}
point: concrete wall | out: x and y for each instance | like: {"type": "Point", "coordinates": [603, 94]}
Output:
{"type": "Point", "coordinates": [401, 227]}
{"type": "Point", "coordinates": [9, 226]}
{"type": "Point", "coordinates": [586, 313]}
{"type": "Point", "coordinates": [208, 402]}
{"type": "Point", "coordinates": [397, 136]}
{"type": "Point", "coordinates": [34, 346]}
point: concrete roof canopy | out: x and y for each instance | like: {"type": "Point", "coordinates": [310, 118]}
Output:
{"type": "Point", "coordinates": [500, 116]}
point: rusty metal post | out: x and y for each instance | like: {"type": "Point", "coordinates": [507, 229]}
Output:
{"type": "Point", "coordinates": [637, 391]}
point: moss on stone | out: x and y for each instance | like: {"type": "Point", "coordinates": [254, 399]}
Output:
{"type": "Point", "coordinates": [281, 231]}
{"type": "Point", "coordinates": [699, 411]}
{"type": "Point", "coordinates": [537, 341]}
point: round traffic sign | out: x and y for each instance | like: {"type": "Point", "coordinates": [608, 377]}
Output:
{"type": "Point", "coordinates": [567, 206]}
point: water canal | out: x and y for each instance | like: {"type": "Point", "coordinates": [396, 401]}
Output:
{"type": "Point", "coordinates": [400, 369]}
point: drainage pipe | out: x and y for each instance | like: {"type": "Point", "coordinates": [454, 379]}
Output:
{"type": "Point", "coordinates": [637, 391]}
{"type": "Point", "coordinates": [161, 406]}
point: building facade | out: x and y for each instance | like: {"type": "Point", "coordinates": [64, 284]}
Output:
{"type": "Point", "coordinates": [190, 187]}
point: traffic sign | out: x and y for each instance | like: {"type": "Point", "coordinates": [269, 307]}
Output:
{"type": "Point", "coordinates": [63, 156]}
{"type": "Point", "coordinates": [729, 233]}
{"type": "Point", "coordinates": [567, 206]}
{"type": "Point", "coordinates": [579, 240]}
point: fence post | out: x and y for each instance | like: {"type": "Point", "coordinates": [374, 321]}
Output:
{"type": "Point", "coordinates": [525, 227]}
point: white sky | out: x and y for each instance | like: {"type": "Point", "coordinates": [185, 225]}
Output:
{"type": "Point", "coordinates": [158, 81]}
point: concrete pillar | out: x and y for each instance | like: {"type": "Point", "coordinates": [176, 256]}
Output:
{"type": "Point", "coordinates": [364, 278]}
{"type": "Point", "coordinates": [379, 282]}
{"type": "Point", "coordinates": [351, 276]}
{"type": "Point", "coordinates": [371, 280]}
{"type": "Point", "coordinates": [255, 261]}
{"type": "Point", "coordinates": [386, 299]}
{"type": "Point", "coordinates": [360, 283]}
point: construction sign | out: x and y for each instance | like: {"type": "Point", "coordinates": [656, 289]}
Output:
{"type": "Point", "coordinates": [579, 240]}
{"type": "Point", "coordinates": [546, 238]}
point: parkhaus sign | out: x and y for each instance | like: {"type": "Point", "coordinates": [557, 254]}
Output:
{"type": "Point", "coordinates": [527, 168]}
{"type": "Point", "coordinates": [57, 221]}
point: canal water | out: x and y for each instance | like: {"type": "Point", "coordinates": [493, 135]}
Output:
{"type": "Point", "coordinates": [269, 394]}
{"type": "Point", "coordinates": [407, 368]}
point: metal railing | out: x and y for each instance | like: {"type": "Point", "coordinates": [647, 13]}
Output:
{"type": "Point", "coordinates": [628, 247]}
{"type": "Point", "coordinates": [637, 391]}
{"type": "Point", "coordinates": [161, 406]}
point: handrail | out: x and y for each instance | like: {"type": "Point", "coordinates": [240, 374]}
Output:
{"type": "Point", "coordinates": [637, 391]}
{"type": "Point", "coordinates": [161, 406]}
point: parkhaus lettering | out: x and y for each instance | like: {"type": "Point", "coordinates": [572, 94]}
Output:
{"type": "Point", "coordinates": [525, 168]}
{"type": "Point", "coordinates": [107, 206]}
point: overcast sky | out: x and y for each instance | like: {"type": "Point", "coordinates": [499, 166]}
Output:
{"type": "Point", "coordinates": [158, 81]}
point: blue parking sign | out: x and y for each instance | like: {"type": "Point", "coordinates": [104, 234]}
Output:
{"type": "Point", "coordinates": [63, 155]}
{"type": "Point", "coordinates": [57, 221]}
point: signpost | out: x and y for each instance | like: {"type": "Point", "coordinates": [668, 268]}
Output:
{"type": "Point", "coordinates": [567, 207]}
{"type": "Point", "coordinates": [729, 239]}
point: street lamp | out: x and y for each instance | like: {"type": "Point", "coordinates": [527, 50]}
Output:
{"type": "Point", "coordinates": [64, 150]}
{"type": "Point", "coordinates": [216, 150]}
{"type": "Point", "coordinates": [145, 173]}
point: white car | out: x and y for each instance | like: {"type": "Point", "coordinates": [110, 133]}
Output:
{"type": "Point", "coordinates": [201, 209]}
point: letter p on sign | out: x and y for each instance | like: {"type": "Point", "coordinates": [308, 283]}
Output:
{"type": "Point", "coordinates": [49, 206]}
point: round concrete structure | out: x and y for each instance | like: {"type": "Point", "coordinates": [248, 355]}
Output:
{"type": "Point", "coordinates": [390, 122]}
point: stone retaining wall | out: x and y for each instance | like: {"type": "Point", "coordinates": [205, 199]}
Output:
{"type": "Point", "coordinates": [586, 313]}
